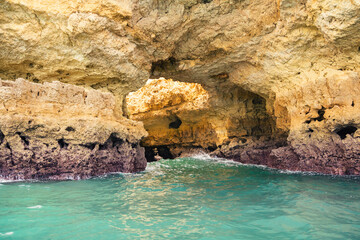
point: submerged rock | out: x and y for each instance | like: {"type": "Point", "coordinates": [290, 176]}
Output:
{"type": "Point", "coordinates": [61, 131]}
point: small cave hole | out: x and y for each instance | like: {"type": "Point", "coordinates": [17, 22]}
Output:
{"type": "Point", "coordinates": [111, 142]}
{"type": "Point", "coordinates": [8, 146]}
{"type": "Point", "coordinates": [153, 154]}
{"type": "Point", "coordinates": [212, 148]}
{"type": "Point", "coordinates": [115, 140]}
{"type": "Point", "coordinates": [342, 132]}
{"type": "Point", "coordinates": [90, 146]}
{"type": "Point", "coordinates": [175, 124]}
{"type": "Point", "coordinates": [62, 143]}
{"type": "Point", "coordinates": [321, 113]}
{"type": "Point", "coordinates": [70, 129]}
{"type": "Point", "coordinates": [102, 147]}
{"type": "Point", "coordinates": [310, 130]}
{"type": "Point", "coordinates": [164, 152]}
{"type": "Point", "coordinates": [2, 137]}
{"type": "Point", "coordinates": [359, 48]}
{"type": "Point", "coordinates": [150, 154]}
{"type": "Point", "coordinates": [206, 1]}
{"type": "Point", "coordinates": [352, 103]}
{"type": "Point", "coordinates": [24, 139]}
{"type": "Point", "coordinates": [258, 101]}
{"type": "Point", "coordinates": [163, 65]}
{"type": "Point", "coordinates": [243, 140]}
{"type": "Point", "coordinates": [28, 76]}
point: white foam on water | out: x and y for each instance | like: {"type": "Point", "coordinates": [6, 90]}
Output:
{"type": "Point", "coordinates": [229, 162]}
{"type": "Point", "coordinates": [6, 234]}
{"type": "Point", "coordinates": [202, 156]}
{"type": "Point", "coordinates": [303, 173]}
{"type": "Point", "coordinates": [155, 168]}
{"type": "Point", "coordinates": [10, 181]}
{"type": "Point", "coordinates": [206, 157]}
{"type": "Point", "coordinates": [35, 207]}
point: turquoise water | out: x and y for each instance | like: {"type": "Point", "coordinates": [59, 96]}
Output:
{"type": "Point", "coordinates": [184, 199]}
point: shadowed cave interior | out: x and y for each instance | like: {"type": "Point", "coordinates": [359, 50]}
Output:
{"type": "Point", "coordinates": [185, 118]}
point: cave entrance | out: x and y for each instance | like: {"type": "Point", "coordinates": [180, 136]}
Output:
{"type": "Point", "coordinates": [181, 117]}
{"type": "Point", "coordinates": [345, 130]}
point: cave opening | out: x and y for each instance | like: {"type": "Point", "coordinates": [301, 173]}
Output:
{"type": "Point", "coordinates": [62, 143]}
{"type": "Point", "coordinates": [2, 136]}
{"type": "Point", "coordinates": [345, 130]}
{"type": "Point", "coordinates": [176, 123]}
{"type": "Point", "coordinates": [24, 139]}
{"type": "Point", "coordinates": [155, 153]}
{"type": "Point", "coordinates": [182, 117]}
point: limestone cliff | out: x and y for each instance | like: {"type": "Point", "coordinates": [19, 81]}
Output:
{"type": "Point", "coordinates": [181, 115]}
{"type": "Point", "coordinates": [299, 59]}
{"type": "Point", "coordinates": [60, 131]}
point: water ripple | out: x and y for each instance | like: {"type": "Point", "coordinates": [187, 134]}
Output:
{"type": "Point", "coordinates": [186, 199]}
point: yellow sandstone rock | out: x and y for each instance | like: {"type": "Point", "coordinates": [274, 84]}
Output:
{"type": "Point", "coordinates": [181, 114]}
{"type": "Point", "coordinates": [271, 69]}
{"type": "Point", "coordinates": [61, 131]}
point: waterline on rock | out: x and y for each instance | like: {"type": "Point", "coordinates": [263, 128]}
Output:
{"type": "Point", "coordinates": [187, 198]}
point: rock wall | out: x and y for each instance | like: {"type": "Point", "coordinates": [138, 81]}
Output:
{"type": "Point", "coordinates": [295, 55]}
{"type": "Point", "coordinates": [60, 131]}
{"type": "Point", "coordinates": [182, 116]}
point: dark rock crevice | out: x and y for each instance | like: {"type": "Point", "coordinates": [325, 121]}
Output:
{"type": "Point", "coordinates": [328, 157]}
{"type": "Point", "coordinates": [161, 66]}
{"type": "Point", "coordinates": [176, 123]}
{"type": "Point", "coordinates": [65, 160]}
{"type": "Point", "coordinates": [2, 137]}
{"type": "Point", "coordinates": [345, 130]}
{"type": "Point", "coordinates": [319, 118]}
{"type": "Point", "coordinates": [156, 153]}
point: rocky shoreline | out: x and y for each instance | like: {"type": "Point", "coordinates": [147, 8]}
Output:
{"type": "Point", "coordinates": [258, 81]}
{"type": "Point", "coordinates": [333, 157]}
{"type": "Point", "coordinates": [61, 131]}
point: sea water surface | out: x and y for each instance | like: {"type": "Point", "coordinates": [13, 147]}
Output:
{"type": "Point", "coordinates": [188, 198]}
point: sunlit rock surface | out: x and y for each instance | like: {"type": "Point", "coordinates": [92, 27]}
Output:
{"type": "Point", "coordinates": [60, 131]}
{"type": "Point", "coordinates": [182, 116]}
{"type": "Point", "coordinates": [297, 57]}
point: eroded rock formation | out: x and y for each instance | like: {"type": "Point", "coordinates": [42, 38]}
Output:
{"type": "Point", "coordinates": [60, 131]}
{"type": "Point", "coordinates": [182, 116]}
{"type": "Point", "coordinates": [301, 58]}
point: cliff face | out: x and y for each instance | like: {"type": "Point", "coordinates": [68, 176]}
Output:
{"type": "Point", "coordinates": [298, 59]}
{"type": "Point", "coordinates": [60, 131]}
{"type": "Point", "coordinates": [181, 116]}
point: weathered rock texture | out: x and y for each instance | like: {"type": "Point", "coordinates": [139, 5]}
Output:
{"type": "Point", "coordinates": [294, 54]}
{"type": "Point", "coordinates": [60, 131]}
{"type": "Point", "coordinates": [179, 116]}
